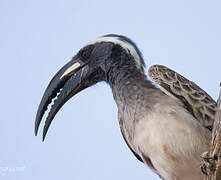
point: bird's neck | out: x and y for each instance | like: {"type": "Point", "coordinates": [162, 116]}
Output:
{"type": "Point", "coordinates": [130, 86]}
{"type": "Point", "coordinates": [132, 93]}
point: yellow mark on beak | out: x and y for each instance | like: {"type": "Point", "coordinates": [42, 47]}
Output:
{"type": "Point", "coordinates": [70, 69]}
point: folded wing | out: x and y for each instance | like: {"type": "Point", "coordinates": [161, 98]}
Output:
{"type": "Point", "coordinates": [186, 92]}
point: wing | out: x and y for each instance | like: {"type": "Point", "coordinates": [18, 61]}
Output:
{"type": "Point", "coordinates": [128, 141]}
{"type": "Point", "coordinates": [193, 98]}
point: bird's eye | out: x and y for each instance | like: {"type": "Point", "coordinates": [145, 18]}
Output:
{"type": "Point", "coordinates": [85, 54]}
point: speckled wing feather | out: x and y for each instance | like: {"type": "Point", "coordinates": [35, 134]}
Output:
{"type": "Point", "coordinates": [194, 99]}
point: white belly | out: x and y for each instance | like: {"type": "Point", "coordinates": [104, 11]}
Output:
{"type": "Point", "coordinates": [174, 142]}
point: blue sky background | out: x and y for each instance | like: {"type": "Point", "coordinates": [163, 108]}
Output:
{"type": "Point", "coordinates": [84, 140]}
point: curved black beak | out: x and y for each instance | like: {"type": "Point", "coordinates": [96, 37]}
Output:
{"type": "Point", "coordinates": [69, 80]}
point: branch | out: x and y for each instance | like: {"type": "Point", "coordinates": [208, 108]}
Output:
{"type": "Point", "coordinates": [212, 159]}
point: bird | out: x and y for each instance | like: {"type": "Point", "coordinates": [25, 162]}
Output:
{"type": "Point", "coordinates": [166, 122]}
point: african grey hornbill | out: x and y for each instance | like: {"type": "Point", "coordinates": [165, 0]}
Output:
{"type": "Point", "coordinates": [167, 128]}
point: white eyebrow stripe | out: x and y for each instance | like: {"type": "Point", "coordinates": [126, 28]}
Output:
{"type": "Point", "coordinates": [124, 44]}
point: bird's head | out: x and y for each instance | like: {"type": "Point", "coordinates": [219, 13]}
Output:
{"type": "Point", "coordinates": [90, 65]}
